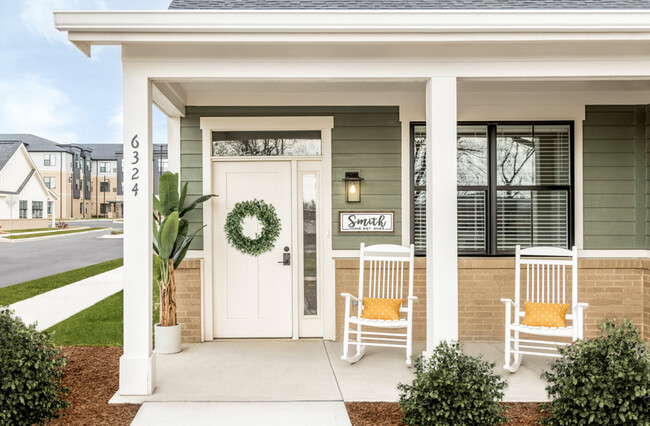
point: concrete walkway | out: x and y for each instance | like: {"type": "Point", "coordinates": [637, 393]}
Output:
{"type": "Point", "coordinates": [54, 306]}
{"type": "Point", "coordinates": [242, 414]}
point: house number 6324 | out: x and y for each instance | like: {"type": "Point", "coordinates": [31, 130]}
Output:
{"type": "Point", "coordinates": [134, 170]}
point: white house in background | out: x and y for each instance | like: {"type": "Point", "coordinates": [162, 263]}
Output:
{"type": "Point", "coordinates": [25, 200]}
{"type": "Point", "coordinates": [534, 121]}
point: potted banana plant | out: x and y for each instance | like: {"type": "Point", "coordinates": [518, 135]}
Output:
{"type": "Point", "coordinates": [171, 242]}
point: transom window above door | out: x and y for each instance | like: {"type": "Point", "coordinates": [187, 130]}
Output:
{"type": "Point", "coordinates": [514, 183]}
{"type": "Point", "coordinates": [261, 143]}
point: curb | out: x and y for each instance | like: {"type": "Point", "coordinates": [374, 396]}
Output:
{"type": "Point", "coordinates": [23, 240]}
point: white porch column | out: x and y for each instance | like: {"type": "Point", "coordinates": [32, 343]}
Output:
{"type": "Point", "coordinates": [174, 144]}
{"type": "Point", "coordinates": [53, 212]}
{"type": "Point", "coordinates": [137, 365]}
{"type": "Point", "coordinates": [442, 253]}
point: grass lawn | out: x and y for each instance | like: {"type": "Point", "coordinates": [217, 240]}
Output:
{"type": "Point", "coordinates": [20, 231]}
{"type": "Point", "coordinates": [45, 234]}
{"type": "Point", "coordinates": [98, 325]}
{"type": "Point", "coordinates": [17, 292]}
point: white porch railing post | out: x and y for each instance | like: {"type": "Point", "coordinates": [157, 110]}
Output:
{"type": "Point", "coordinates": [442, 253]}
{"type": "Point", "coordinates": [137, 365]}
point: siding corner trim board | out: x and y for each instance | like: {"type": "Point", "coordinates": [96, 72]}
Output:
{"type": "Point", "coordinates": [365, 139]}
{"type": "Point", "coordinates": [616, 149]}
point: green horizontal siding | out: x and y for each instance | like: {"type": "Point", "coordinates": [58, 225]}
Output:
{"type": "Point", "coordinates": [366, 139]}
{"type": "Point", "coordinates": [615, 183]}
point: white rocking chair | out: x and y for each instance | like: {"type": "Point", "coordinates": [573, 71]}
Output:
{"type": "Point", "coordinates": [386, 264]}
{"type": "Point", "coordinates": [546, 282]}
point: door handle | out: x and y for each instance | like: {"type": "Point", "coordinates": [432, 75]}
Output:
{"type": "Point", "coordinates": [286, 259]}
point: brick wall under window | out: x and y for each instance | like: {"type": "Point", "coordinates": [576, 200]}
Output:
{"type": "Point", "coordinates": [614, 288]}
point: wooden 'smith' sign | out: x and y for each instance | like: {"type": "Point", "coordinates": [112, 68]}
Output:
{"type": "Point", "coordinates": [367, 221]}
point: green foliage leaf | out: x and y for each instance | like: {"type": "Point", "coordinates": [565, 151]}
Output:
{"type": "Point", "coordinates": [168, 192]}
{"type": "Point", "coordinates": [452, 388]}
{"type": "Point", "coordinates": [181, 200]}
{"type": "Point", "coordinates": [200, 200]}
{"type": "Point", "coordinates": [157, 206]}
{"type": "Point", "coordinates": [605, 380]}
{"type": "Point", "coordinates": [168, 234]}
{"type": "Point", "coordinates": [31, 372]}
{"type": "Point", "coordinates": [157, 268]}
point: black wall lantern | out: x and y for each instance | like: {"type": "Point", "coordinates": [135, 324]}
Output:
{"type": "Point", "coordinates": [352, 187]}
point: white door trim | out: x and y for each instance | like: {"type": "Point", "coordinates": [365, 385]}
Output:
{"type": "Point", "coordinates": [325, 125]}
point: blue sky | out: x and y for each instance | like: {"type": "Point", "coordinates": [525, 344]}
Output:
{"type": "Point", "coordinates": [51, 89]}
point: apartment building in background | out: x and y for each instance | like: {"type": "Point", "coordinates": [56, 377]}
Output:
{"type": "Point", "coordinates": [87, 178]}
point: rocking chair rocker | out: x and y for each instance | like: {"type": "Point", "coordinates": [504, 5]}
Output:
{"type": "Point", "coordinates": [386, 264]}
{"type": "Point", "coordinates": [547, 269]}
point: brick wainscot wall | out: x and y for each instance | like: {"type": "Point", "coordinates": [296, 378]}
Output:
{"type": "Point", "coordinates": [614, 288]}
{"type": "Point", "coordinates": [188, 299]}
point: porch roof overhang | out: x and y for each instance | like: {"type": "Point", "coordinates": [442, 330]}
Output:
{"type": "Point", "coordinates": [88, 28]}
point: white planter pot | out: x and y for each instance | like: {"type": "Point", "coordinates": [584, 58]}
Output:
{"type": "Point", "coordinates": [168, 339]}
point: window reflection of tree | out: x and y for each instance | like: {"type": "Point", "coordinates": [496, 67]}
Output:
{"type": "Point", "coordinates": [309, 258]}
{"type": "Point", "coordinates": [514, 155]}
{"type": "Point", "coordinates": [471, 160]}
{"type": "Point", "coordinates": [270, 147]}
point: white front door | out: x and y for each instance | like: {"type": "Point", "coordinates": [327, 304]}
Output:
{"type": "Point", "coordinates": [253, 294]}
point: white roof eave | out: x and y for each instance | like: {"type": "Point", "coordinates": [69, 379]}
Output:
{"type": "Point", "coordinates": [87, 28]}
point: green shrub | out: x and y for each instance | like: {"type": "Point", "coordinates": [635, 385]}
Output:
{"type": "Point", "coordinates": [31, 372]}
{"type": "Point", "coordinates": [605, 380]}
{"type": "Point", "coordinates": [452, 388]}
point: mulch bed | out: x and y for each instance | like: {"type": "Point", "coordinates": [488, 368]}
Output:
{"type": "Point", "coordinates": [92, 377]}
{"type": "Point", "coordinates": [389, 413]}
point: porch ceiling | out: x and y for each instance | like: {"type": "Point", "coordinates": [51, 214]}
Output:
{"type": "Point", "coordinates": [172, 96]}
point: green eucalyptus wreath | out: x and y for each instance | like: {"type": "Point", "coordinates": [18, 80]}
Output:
{"type": "Point", "coordinates": [266, 214]}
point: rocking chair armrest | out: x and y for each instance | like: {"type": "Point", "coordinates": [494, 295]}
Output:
{"type": "Point", "coordinates": [506, 301]}
{"type": "Point", "coordinates": [582, 306]}
{"type": "Point", "coordinates": [413, 298]}
{"type": "Point", "coordinates": [346, 295]}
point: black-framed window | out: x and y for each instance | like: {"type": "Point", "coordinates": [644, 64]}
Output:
{"type": "Point", "coordinates": [515, 186]}
{"type": "Point", "coordinates": [22, 209]}
{"type": "Point", "coordinates": [104, 187]}
{"type": "Point", "coordinates": [37, 209]}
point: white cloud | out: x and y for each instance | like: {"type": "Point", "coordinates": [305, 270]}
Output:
{"type": "Point", "coordinates": [33, 105]}
{"type": "Point", "coordinates": [37, 16]}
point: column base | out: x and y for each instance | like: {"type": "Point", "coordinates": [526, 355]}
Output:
{"type": "Point", "coordinates": [137, 375]}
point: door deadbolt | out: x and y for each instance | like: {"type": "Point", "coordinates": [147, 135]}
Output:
{"type": "Point", "coordinates": [286, 257]}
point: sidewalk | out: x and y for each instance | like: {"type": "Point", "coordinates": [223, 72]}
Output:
{"type": "Point", "coordinates": [54, 306]}
{"type": "Point", "coordinates": [242, 414]}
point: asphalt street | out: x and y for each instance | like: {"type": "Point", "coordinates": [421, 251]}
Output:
{"type": "Point", "coordinates": [24, 260]}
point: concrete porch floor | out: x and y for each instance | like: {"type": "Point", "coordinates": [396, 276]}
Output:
{"type": "Point", "coordinates": [307, 370]}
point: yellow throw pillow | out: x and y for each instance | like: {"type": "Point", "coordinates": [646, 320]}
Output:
{"type": "Point", "coordinates": [545, 314]}
{"type": "Point", "coordinates": [381, 309]}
